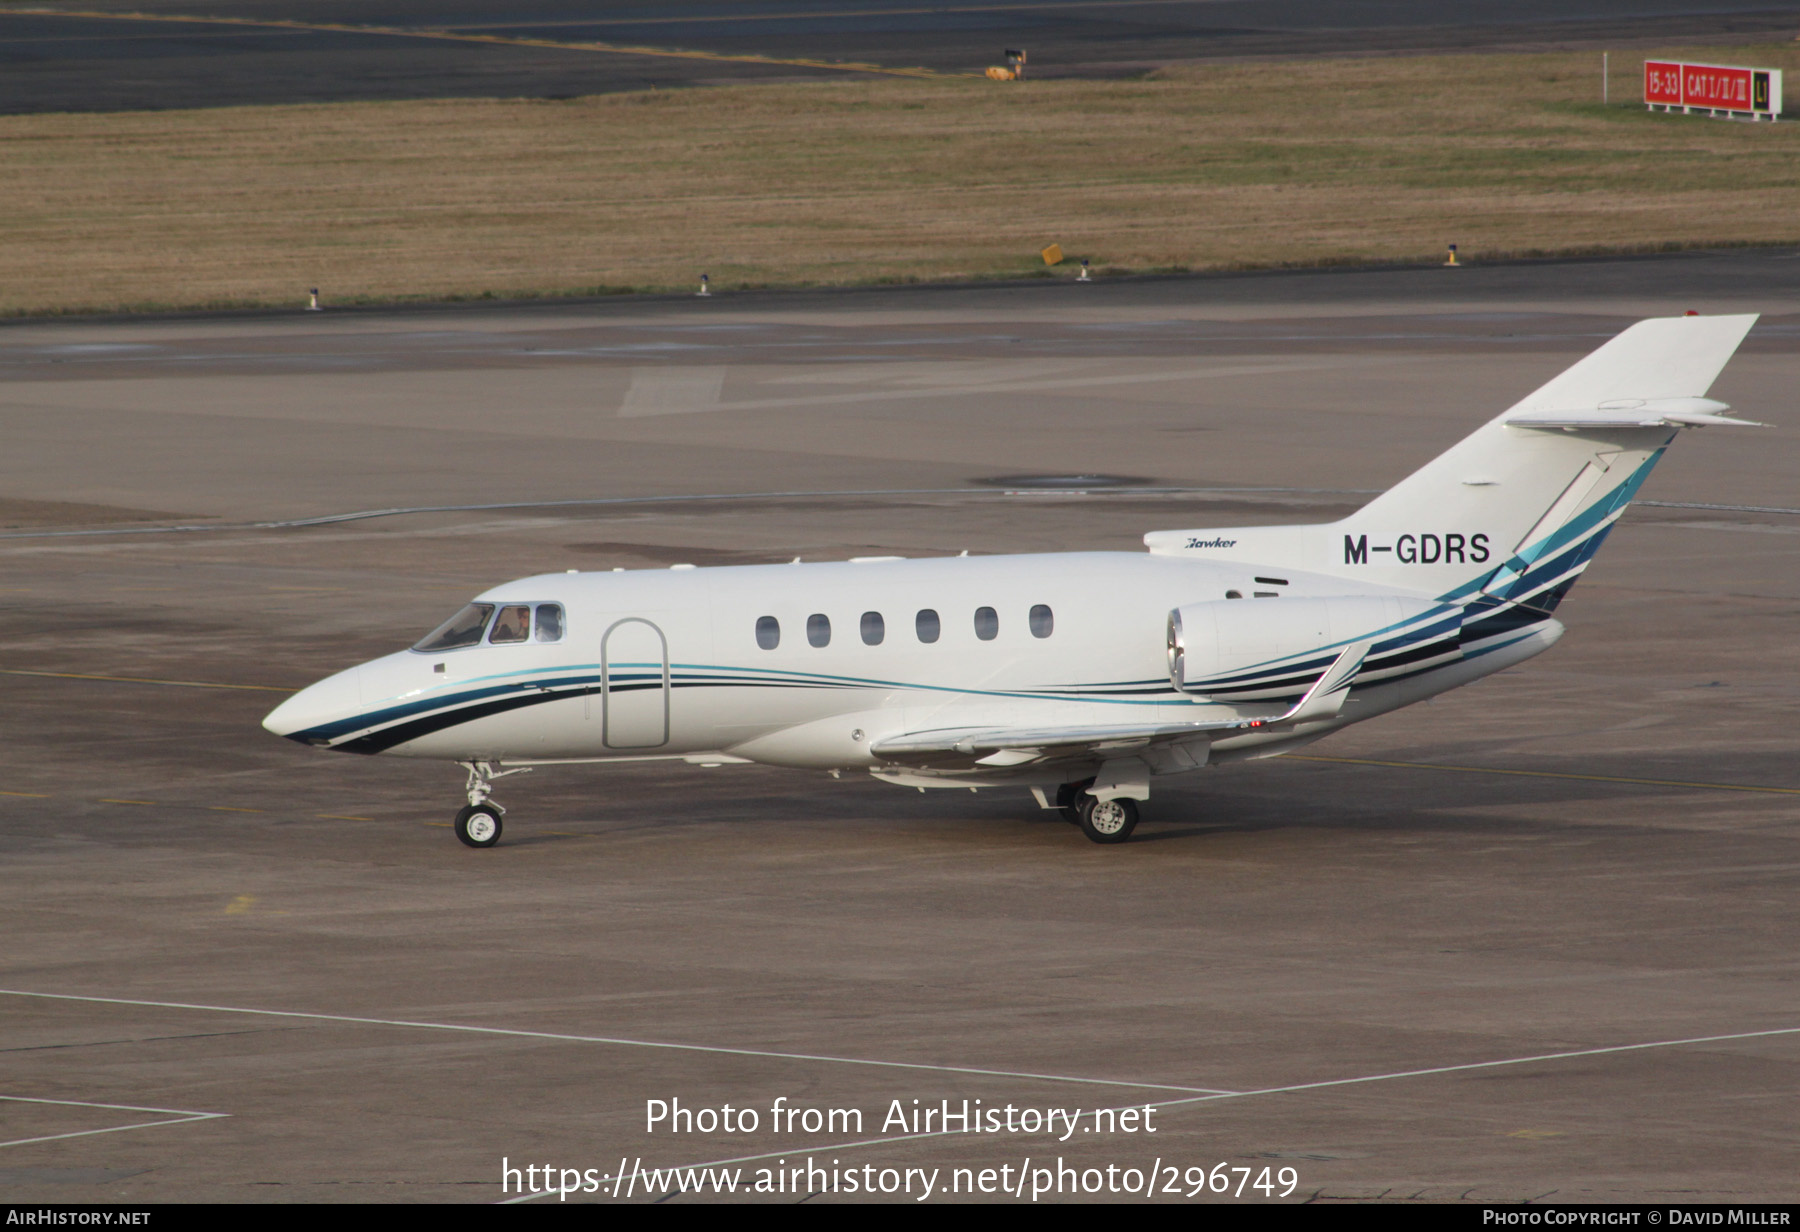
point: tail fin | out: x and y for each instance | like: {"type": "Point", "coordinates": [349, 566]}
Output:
{"type": "Point", "coordinates": [1517, 508]}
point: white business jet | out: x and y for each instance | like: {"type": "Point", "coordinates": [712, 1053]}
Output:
{"type": "Point", "coordinates": [1215, 646]}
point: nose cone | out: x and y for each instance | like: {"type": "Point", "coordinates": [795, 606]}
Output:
{"type": "Point", "coordinates": [318, 712]}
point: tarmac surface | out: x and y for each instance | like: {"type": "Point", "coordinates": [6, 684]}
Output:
{"type": "Point", "coordinates": [1533, 940]}
{"type": "Point", "coordinates": [106, 55]}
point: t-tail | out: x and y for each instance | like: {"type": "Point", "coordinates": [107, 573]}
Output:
{"type": "Point", "coordinates": [1515, 511]}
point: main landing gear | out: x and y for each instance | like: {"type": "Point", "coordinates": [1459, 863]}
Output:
{"type": "Point", "coordinates": [1103, 821]}
{"type": "Point", "coordinates": [479, 824]}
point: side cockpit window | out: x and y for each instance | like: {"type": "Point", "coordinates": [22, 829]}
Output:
{"type": "Point", "coordinates": [462, 629]}
{"type": "Point", "coordinates": [513, 624]}
{"type": "Point", "coordinates": [549, 622]}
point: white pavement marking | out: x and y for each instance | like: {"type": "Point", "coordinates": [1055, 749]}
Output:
{"type": "Point", "coordinates": [360, 515]}
{"type": "Point", "coordinates": [673, 391]}
{"type": "Point", "coordinates": [1206, 1099]}
{"type": "Point", "coordinates": [604, 1039]}
{"type": "Point", "coordinates": [1209, 372]}
{"type": "Point", "coordinates": [180, 1116]}
{"type": "Point", "coordinates": [1452, 1069]}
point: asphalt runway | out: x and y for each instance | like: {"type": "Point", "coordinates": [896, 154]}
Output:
{"type": "Point", "coordinates": [1533, 940]}
{"type": "Point", "coordinates": [108, 55]}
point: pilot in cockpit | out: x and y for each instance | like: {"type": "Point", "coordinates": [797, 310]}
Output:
{"type": "Point", "coordinates": [512, 625]}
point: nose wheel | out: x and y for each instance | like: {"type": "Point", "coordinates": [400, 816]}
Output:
{"type": "Point", "coordinates": [479, 824]}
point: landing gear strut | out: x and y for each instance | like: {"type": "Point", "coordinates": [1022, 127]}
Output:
{"type": "Point", "coordinates": [1068, 799]}
{"type": "Point", "coordinates": [479, 824]}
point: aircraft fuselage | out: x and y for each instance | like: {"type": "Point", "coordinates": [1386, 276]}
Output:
{"type": "Point", "coordinates": [665, 663]}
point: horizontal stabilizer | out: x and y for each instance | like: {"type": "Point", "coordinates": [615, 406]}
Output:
{"type": "Point", "coordinates": [1662, 358]}
{"type": "Point", "coordinates": [1634, 413]}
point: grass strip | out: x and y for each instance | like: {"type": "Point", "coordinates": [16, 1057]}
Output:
{"type": "Point", "coordinates": [1306, 163]}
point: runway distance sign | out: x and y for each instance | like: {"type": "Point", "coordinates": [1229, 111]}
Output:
{"type": "Point", "coordinates": [1714, 88]}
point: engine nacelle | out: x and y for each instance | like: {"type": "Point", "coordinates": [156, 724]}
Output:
{"type": "Point", "coordinates": [1256, 649]}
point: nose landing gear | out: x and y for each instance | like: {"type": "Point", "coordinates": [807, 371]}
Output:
{"type": "Point", "coordinates": [479, 824]}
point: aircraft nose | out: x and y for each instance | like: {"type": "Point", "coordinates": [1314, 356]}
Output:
{"type": "Point", "coordinates": [309, 715]}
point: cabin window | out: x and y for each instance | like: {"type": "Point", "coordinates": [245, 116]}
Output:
{"type": "Point", "coordinates": [818, 629]}
{"type": "Point", "coordinates": [768, 632]}
{"type": "Point", "coordinates": [1043, 621]}
{"type": "Point", "coordinates": [549, 622]}
{"type": "Point", "coordinates": [987, 623]}
{"type": "Point", "coordinates": [926, 622]}
{"type": "Point", "coordinates": [462, 629]}
{"type": "Point", "coordinates": [1234, 594]}
{"type": "Point", "coordinates": [874, 628]}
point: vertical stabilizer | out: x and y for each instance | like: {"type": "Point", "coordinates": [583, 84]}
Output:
{"type": "Point", "coordinates": [1518, 507]}
{"type": "Point", "coordinates": [1557, 467]}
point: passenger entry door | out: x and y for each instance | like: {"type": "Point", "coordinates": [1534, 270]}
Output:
{"type": "Point", "coordinates": [634, 685]}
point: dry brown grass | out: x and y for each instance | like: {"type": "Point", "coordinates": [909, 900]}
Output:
{"type": "Point", "coordinates": [868, 180]}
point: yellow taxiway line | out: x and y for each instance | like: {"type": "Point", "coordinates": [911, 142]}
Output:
{"type": "Point", "coordinates": [503, 40]}
{"type": "Point", "coordinates": [1544, 774]}
{"type": "Point", "coordinates": [183, 684]}
{"type": "Point", "coordinates": [928, 10]}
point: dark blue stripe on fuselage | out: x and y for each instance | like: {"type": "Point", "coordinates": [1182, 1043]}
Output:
{"type": "Point", "coordinates": [1491, 618]}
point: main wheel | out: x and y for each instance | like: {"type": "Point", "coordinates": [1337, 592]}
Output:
{"type": "Point", "coordinates": [478, 825]}
{"type": "Point", "coordinates": [1068, 799]}
{"type": "Point", "coordinates": [1108, 821]}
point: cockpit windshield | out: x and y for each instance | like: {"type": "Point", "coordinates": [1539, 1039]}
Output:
{"type": "Point", "coordinates": [462, 629]}
{"type": "Point", "coordinates": [513, 625]}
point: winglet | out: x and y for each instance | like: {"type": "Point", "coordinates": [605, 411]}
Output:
{"type": "Point", "coordinates": [1327, 695]}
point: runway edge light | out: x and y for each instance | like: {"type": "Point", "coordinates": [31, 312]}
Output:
{"type": "Point", "coordinates": [1451, 260]}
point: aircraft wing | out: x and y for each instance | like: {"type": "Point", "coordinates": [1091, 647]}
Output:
{"type": "Point", "coordinates": [1015, 746]}
{"type": "Point", "coordinates": [984, 742]}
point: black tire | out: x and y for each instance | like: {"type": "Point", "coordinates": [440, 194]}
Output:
{"type": "Point", "coordinates": [1108, 821]}
{"type": "Point", "coordinates": [478, 825]}
{"type": "Point", "coordinates": [1068, 799]}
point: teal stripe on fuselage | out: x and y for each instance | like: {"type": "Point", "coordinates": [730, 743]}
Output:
{"type": "Point", "coordinates": [1581, 524]}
